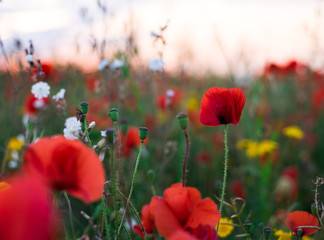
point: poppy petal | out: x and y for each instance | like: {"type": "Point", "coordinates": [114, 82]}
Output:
{"type": "Point", "coordinates": [239, 101]}
{"type": "Point", "coordinates": [302, 218]}
{"type": "Point", "coordinates": [204, 213]}
{"type": "Point", "coordinates": [165, 221]}
{"type": "Point", "coordinates": [181, 235]}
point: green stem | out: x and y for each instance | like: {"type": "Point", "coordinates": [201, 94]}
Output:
{"type": "Point", "coordinates": [113, 179]}
{"type": "Point", "coordinates": [131, 189]}
{"type": "Point", "coordinates": [184, 170]}
{"type": "Point", "coordinates": [70, 214]}
{"type": "Point", "coordinates": [86, 131]}
{"type": "Point", "coordinates": [105, 215]}
{"type": "Point", "coordinates": [225, 172]}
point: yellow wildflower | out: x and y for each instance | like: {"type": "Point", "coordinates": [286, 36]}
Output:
{"type": "Point", "coordinates": [252, 149]}
{"type": "Point", "coordinates": [243, 144]}
{"type": "Point", "coordinates": [283, 235]}
{"type": "Point", "coordinates": [15, 144]}
{"type": "Point", "coordinates": [307, 238]}
{"type": "Point", "coordinates": [4, 186]}
{"type": "Point", "coordinates": [293, 132]}
{"type": "Point", "coordinates": [266, 147]}
{"type": "Point", "coordinates": [192, 104]}
{"type": "Point", "coordinates": [224, 228]}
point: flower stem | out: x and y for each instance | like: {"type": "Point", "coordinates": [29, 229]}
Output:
{"type": "Point", "coordinates": [86, 131]}
{"type": "Point", "coordinates": [131, 189]}
{"type": "Point", "coordinates": [225, 172]}
{"type": "Point", "coordinates": [103, 202]}
{"type": "Point", "coordinates": [70, 214]}
{"type": "Point", "coordinates": [185, 159]}
{"type": "Point", "coordinates": [113, 179]}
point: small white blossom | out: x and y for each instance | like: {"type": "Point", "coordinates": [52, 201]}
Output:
{"type": "Point", "coordinates": [116, 64]}
{"type": "Point", "coordinates": [92, 124]}
{"type": "Point", "coordinates": [156, 64]}
{"type": "Point", "coordinates": [59, 95]}
{"type": "Point", "coordinates": [30, 58]}
{"type": "Point", "coordinates": [103, 64]}
{"type": "Point", "coordinates": [39, 104]}
{"type": "Point", "coordinates": [25, 119]}
{"type": "Point", "coordinates": [13, 164]}
{"type": "Point", "coordinates": [72, 128]}
{"type": "Point", "coordinates": [103, 134]}
{"type": "Point", "coordinates": [170, 93]}
{"type": "Point", "coordinates": [41, 89]}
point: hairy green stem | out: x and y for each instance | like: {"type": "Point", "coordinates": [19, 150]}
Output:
{"type": "Point", "coordinates": [103, 203]}
{"type": "Point", "coordinates": [86, 131]}
{"type": "Point", "coordinates": [70, 214]}
{"type": "Point", "coordinates": [184, 170]}
{"type": "Point", "coordinates": [131, 189]}
{"type": "Point", "coordinates": [225, 172]}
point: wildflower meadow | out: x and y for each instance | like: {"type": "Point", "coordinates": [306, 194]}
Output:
{"type": "Point", "coordinates": [129, 151]}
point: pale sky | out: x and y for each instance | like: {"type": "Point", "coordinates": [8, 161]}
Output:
{"type": "Point", "coordinates": [251, 32]}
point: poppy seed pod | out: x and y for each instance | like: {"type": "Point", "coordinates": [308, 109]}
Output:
{"type": "Point", "coordinates": [84, 107]}
{"type": "Point", "coordinates": [248, 226]}
{"type": "Point", "coordinates": [124, 125]}
{"type": "Point", "coordinates": [143, 133]}
{"type": "Point", "coordinates": [110, 135]}
{"type": "Point", "coordinates": [113, 114]}
{"type": "Point", "coordinates": [267, 233]}
{"type": "Point", "coordinates": [183, 120]}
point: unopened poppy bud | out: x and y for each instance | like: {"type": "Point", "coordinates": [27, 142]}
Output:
{"type": "Point", "coordinates": [84, 107]}
{"type": "Point", "coordinates": [143, 133]}
{"type": "Point", "coordinates": [248, 226]}
{"type": "Point", "coordinates": [313, 208]}
{"type": "Point", "coordinates": [92, 124]}
{"type": "Point", "coordinates": [151, 175]}
{"type": "Point", "coordinates": [113, 114]}
{"type": "Point", "coordinates": [110, 135]}
{"type": "Point", "coordinates": [183, 120]}
{"type": "Point", "coordinates": [267, 233]}
{"type": "Point", "coordinates": [124, 125]}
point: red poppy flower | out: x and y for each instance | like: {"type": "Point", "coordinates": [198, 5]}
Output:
{"type": "Point", "coordinates": [302, 218]}
{"type": "Point", "coordinates": [182, 209]}
{"type": "Point", "coordinates": [147, 219]}
{"type": "Point", "coordinates": [66, 165]}
{"type": "Point", "coordinates": [221, 106]}
{"type": "Point", "coordinates": [238, 189]}
{"type": "Point", "coordinates": [172, 100]}
{"type": "Point", "coordinates": [26, 211]}
{"type": "Point", "coordinates": [33, 105]}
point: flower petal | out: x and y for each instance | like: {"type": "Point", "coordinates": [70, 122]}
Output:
{"type": "Point", "coordinates": [301, 218]}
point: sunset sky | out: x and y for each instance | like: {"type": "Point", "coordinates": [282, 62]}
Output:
{"type": "Point", "coordinates": [200, 37]}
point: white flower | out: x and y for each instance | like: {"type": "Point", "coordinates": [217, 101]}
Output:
{"type": "Point", "coordinates": [59, 95]}
{"type": "Point", "coordinates": [116, 64]}
{"type": "Point", "coordinates": [41, 89]}
{"type": "Point", "coordinates": [103, 134]}
{"type": "Point", "coordinates": [25, 119]}
{"type": "Point", "coordinates": [103, 64]}
{"type": "Point", "coordinates": [92, 124]}
{"type": "Point", "coordinates": [30, 58]}
{"type": "Point", "coordinates": [156, 64]}
{"type": "Point", "coordinates": [72, 128]}
{"type": "Point", "coordinates": [39, 103]}
{"type": "Point", "coordinates": [170, 93]}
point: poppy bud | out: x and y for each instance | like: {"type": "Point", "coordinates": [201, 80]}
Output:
{"type": "Point", "coordinates": [183, 120]}
{"type": "Point", "coordinates": [143, 133]}
{"type": "Point", "coordinates": [267, 233]}
{"type": "Point", "coordinates": [124, 125]}
{"type": "Point", "coordinates": [113, 114]}
{"type": "Point", "coordinates": [84, 107]}
{"type": "Point", "coordinates": [248, 226]}
{"type": "Point", "coordinates": [110, 135]}
{"type": "Point", "coordinates": [151, 175]}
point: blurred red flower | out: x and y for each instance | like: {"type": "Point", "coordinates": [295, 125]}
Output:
{"type": "Point", "coordinates": [238, 189]}
{"type": "Point", "coordinates": [287, 187]}
{"type": "Point", "coordinates": [66, 165]}
{"type": "Point", "coordinates": [302, 218]}
{"type": "Point", "coordinates": [182, 209]}
{"type": "Point", "coordinates": [171, 100]}
{"type": "Point", "coordinates": [221, 106]}
{"type": "Point", "coordinates": [292, 67]}
{"type": "Point", "coordinates": [33, 105]}
{"type": "Point", "coordinates": [26, 211]}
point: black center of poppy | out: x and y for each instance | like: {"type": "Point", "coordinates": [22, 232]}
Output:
{"type": "Point", "coordinates": [222, 120]}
